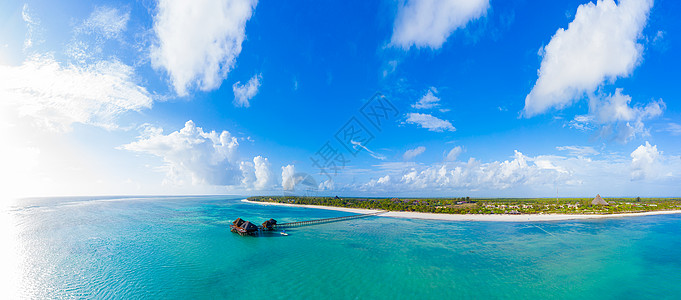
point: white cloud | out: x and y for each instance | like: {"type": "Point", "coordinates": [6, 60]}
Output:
{"type": "Point", "coordinates": [244, 93]}
{"type": "Point", "coordinates": [103, 24]}
{"type": "Point", "coordinates": [579, 151]}
{"type": "Point", "coordinates": [357, 145]}
{"type": "Point", "coordinates": [380, 183]}
{"type": "Point", "coordinates": [262, 172]}
{"type": "Point", "coordinates": [32, 24]}
{"type": "Point", "coordinates": [599, 44]}
{"type": "Point", "coordinates": [616, 118]}
{"type": "Point", "coordinates": [581, 122]}
{"type": "Point", "coordinates": [56, 96]}
{"type": "Point", "coordinates": [615, 108]}
{"type": "Point", "coordinates": [526, 176]}
{"type": "Point", "coordinates": [327, 185]}
{"type": "Point", "coordinates": [522, 170]}
{"type": "Point", "coordinates": [428, 23]}
{"type": "Point", "coordinates": [410, 154]}
{"type": "Point", "coordinates": [430, 122]}
{"type": "Point", "coordinates": [429, 100]}
{"type": "Point", "coordinates": [453, 154]}
{"type": "Point", "coordinates": [199, 41]}
{"type": "Point", "coordinates": [674, 128]}
{"type": "Point", "coordinates": [108, 22]}
{"type": "Point", "coordinates": [289, 178]}
{"type": "Point", "coordinates": [522, 175]}
{"type": "Point", "coordinates": [645, 162]}
{"type": "Point", "coordinates": [257, 174]}
{"type": "Point", "coordinates": [205, 158]}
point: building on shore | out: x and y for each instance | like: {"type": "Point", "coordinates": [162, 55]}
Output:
{"type": "Point", "coordinates": [599, 201]}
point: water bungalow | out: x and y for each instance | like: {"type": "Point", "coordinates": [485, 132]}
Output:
{"type": "Point", "coordinates": [269, 224]}
{"type": "Point", "coordinates": [243, 227]}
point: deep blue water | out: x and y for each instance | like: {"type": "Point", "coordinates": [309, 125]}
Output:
{"type": "Point", "coordinates": [181, 248]}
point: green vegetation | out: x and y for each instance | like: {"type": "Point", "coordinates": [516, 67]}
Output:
{"type": "Point", "coordinates": [466, 205]}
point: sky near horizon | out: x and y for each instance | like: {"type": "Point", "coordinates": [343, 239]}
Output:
{"type": "Point", "coordinates": [423, 98]}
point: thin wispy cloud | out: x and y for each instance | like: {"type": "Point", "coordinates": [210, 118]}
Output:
{"type": "Point", "coordinates": [109, 22]}
{"type": "Point", "coordinates": [358, 145]}
{"type": "Point", "coordinates": [453, 154]}
{"type": "Point", "coordinates": [411, 153]}
{"type": "Point", "coordinates": [674, 128]}
{"type": "Point", "coordinates": [32, 26]}
{"type": "Point", "coordinates": [579, 151]}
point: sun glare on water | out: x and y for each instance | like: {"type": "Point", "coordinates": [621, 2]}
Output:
{"type": "Point", "coordinates": [10, 258]}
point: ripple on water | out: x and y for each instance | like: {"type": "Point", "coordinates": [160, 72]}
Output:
{"type": "Point", "coordinates": [182, 248]}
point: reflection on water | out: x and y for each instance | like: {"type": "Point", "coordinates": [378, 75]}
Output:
{"type": "Point", "coordinates": [181, 247]}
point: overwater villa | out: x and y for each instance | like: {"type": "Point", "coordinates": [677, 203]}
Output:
{"type": "Point", "coordinates": [243, 227]}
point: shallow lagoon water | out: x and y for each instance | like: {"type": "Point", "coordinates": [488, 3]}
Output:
{"type": "Point", "coordinates": [181, 248]}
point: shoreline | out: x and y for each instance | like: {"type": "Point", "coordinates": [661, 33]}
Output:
{"type": "Point", "coordinates": [477, 218]}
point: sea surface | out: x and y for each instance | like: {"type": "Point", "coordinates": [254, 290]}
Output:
{"type": "Point", "coordinates": [181, 248]}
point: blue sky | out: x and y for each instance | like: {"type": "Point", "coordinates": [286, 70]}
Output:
{"type": "Point", "coordinates": [478, 98]}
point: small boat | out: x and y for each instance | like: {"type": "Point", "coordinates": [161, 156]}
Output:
{"type": "Point", "coordinates": [283, 232]}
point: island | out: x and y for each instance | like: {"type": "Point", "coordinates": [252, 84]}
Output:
{"type": "Point", "coordinates": [486, 209]}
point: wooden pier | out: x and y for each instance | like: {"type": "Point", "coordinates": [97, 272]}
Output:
{"type": "Point", "coordinates": [328, 220]}
{"type": "Point", "coordinates": [247, 228]}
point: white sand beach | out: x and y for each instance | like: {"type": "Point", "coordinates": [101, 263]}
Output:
{"type": "Point", "coordinates": [483, 218]}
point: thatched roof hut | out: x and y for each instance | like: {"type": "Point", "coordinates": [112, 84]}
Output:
{"type": "Point", "coordinates": [238, 222]}
{"type": "Point", "coordinates": [599, 201]}
{"type": "Point", "coordinates": [249, 227]}
{"type": "Point", "coordinates": [269, 224]}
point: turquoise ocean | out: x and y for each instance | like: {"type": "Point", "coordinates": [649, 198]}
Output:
{"type": "Point", "coordinates": [181, 248]}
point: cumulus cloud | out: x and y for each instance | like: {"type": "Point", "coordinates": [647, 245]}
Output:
{"type": "Point", "coordinates": [430, 122]}
{"type": "Point", "coordinates": [521, 170]}
{"type": "Point", "coordinates": [203, 158]}
{"type": "Point", "coordinates": [411, 153]}
{"type": "Point", "coordinates": [262, 172]}
{"type": "Point", "coordinates": [327, 185]}
{"type": "Point", "coordinates": [256, 174]}
{"type": "Point", "coordinates": [453, 154]}
{"type": "Point", "coordinates": [244, 93]}
{"type": "Point", "coordinates": [288, 177]}
{"type": "Point", "coordinates": [599, 45]}
{"type": "Point", "coordinates": [540, 175]}
{"type": "Point", "coordinates": [429, 100]}
{"type": "Point", "coordinates": [56, 96]}
{"type": "Point", "coordinates": [198, 41]}
{"type": "Point", "coordinates": [428, 23]}
{"type": "Point", "coordinates": [290, 180]}
{"type": "Point", "coordinates": [109, 22]}
{"type": "Point", "coordinates": [645, 162]}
